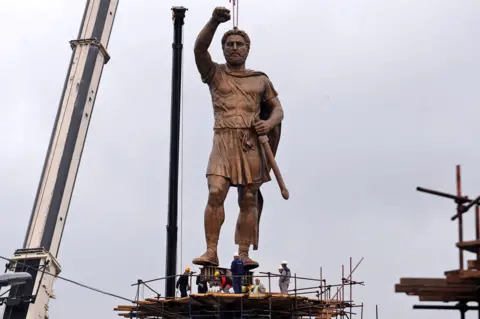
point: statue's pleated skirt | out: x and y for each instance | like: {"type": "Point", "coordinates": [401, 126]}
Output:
{"type": "Point", "coordinates": [237, 155]}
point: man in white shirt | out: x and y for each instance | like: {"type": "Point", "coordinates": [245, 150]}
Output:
{"type": "Point", "coordinates": [284, 280]}
{"type": "Point", "coordinates": [258, 288]}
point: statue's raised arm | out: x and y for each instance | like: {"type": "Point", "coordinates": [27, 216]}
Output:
{"type": "Point", "coordinates": [202, 56]}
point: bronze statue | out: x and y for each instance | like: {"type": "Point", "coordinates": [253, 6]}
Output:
{"type": "Point", "coordinates": [245, 106]}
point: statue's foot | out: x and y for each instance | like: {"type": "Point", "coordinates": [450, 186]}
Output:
{"type": "Point", "coordinates": [209, 258]}
{"type": "Point", "coordinates": [248, 263]}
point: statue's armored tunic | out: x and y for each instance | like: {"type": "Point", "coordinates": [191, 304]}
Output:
{"type": "Point", "coordinates": [237, 97]}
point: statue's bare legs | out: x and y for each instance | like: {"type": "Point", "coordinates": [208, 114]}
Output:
{"type": "Point", "coordinates": [247, 222]}
{"type": "Point", "coordinates": [214, 217]}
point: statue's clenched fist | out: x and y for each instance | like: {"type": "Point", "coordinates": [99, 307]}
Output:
{"type": "Point", "coordinates": [221, 14]}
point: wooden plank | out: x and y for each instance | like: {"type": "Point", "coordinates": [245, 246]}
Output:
{"type": "Point", "coordinates": [452, 277]}
{"type": "Point", "coordinates": [124, 308]}
{"type": "Point", "coordinates": [155, 300]}
{"type": "Point", "coordinates": [473, 264]}
{"type": "Point", "coordinates": [471, 245]}
{"type": "Point", "coordinates": [423, 281]}
{"type": "Point", "coordinates": [469, 274]}
{"type": "Point", "coordinates": [460, 277]}
{"type": "Point", "coordinates": [434, 289]}
{"type": "Point", "coordinates": [442, 298]}
{"type": "Point", "coordinates": [445, 298]}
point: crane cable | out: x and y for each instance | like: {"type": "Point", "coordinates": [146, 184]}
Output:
{"type": "Point", "coordinates": [234, 12]}
{"type": "Point", "coordinates": [26, 266]}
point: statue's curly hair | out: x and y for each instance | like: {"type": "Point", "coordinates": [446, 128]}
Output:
{"type": "Point", "coordinates": [236, 31]}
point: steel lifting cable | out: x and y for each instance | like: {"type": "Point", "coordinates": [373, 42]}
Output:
{"type": "Point", "coordinates": [26, 266]}
{"type": "Point", "coordinates": [234, 12]}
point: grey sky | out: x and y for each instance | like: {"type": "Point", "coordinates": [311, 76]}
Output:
{"type": "Point", "coordinates": [379, 97]}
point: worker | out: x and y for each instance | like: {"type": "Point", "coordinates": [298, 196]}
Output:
{"type": "Point", "coordinates": [247, 289]}
{"type": "Point", "coordinates": [237, 273]}
{"type": "Point", "coordinates": [284, 280]}
{"type": "Point", "coordinates": [182, 283]}
{"type": "Point", "coordinates": [225, 283]}
{"type": "Point", "coordinates": [202, 284]}
{"type": "Point", "coordinates": [258, 288]}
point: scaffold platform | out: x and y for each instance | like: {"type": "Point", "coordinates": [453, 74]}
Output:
{"type": "Point", "coordinates": [223, 305]}
{"type": "Point", "coordinates": [315, 298]}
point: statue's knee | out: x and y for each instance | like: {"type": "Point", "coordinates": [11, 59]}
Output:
{"type": "Point", "coordinates": [215, 196]}
{"type": "Point", "coordinates": [248, 198]}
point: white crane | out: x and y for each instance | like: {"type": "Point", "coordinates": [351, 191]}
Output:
{"type": "Point", "coordinates": [50, 209]}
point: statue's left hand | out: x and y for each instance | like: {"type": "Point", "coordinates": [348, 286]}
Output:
{"type": "Point", "coordinates": [262, 127]}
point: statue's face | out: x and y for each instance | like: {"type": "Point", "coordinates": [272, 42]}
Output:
{"type": "Point", "coordinates": [235, 50]}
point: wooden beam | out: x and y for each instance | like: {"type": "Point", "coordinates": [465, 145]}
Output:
{"type": "Point", "coordinates": [423, 281]}
{"type": "Point", "coordinates": [473, 264]}
{"type": "Point", "coordinates": [435, 289]}
{"type": "Point", "coordinates": [471, 245]}
{"type": "Point", "coordinates": [445, 298]}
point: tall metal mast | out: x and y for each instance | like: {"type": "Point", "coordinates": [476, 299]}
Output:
{"type": "Point", "coordinates": [44, 234]}
{"type": "Point", "coordinates": [171, 254]}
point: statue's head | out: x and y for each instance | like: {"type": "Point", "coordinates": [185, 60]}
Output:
{"type": "Point", "coordinates": [236, 46]}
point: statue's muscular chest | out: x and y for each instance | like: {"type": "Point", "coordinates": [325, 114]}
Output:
{"type": "Point", "coordinates": [239, 93]}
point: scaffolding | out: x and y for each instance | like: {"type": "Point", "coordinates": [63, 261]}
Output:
{"type": "Point", "coordinates": [461, 285]}
{"type": "Point", "coordinates": [319, 300]}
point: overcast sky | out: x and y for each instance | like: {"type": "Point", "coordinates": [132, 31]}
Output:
{"type": "Point", "coordinates": [379, 97]}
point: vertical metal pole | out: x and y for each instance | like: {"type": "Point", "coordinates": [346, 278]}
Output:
{"type": "Point", "coordinates": [269, 283]}
{"type": "Point", "coordinates": [351, 287]}
{"type": "Point", "coordinates": [139, 281]}
{"type": "Point", "coordinates": [342, 292]}
{"type": "Point", "coordinates": [295, 292]}
{"type": "Point", "coordinates": [376, 311]}
{"type": "Point", "coordinates": [270, 307]}
{"type": "Point", "coordinates": [321, 285]}
{"type": "Point", "coordinates": [460, 215]}
{"type": "Point", "coordinates": [241, 307]}
{"type": "Point", "coordinates": [171, 258]}
{"type": "Point", "coordinates": [191, 276]}
{"type": "Point", "coordinates": [361, 312]}
{"type": "Point", "coordinates": [190, 306]}
{"type": "Point", "coordinates": [477, 227]}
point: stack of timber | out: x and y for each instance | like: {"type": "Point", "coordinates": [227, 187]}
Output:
{"type": "Point", "coordinates": [281, 306]}
{"type": "Point", "coordinates": [457, 286]}
{"type": "Point", "coordinates": [460, 285]}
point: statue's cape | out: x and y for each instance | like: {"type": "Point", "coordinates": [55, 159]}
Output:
{"type": "Point", "coordinates": [273, 138]}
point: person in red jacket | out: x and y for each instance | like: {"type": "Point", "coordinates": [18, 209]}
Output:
{"type": "Point", "coordinates": [225, 283]}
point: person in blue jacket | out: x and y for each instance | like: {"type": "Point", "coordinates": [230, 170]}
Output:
{"type": "Point", "coordinates": [237, 273]}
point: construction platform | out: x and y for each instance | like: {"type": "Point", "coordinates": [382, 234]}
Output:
{"type": "Point", "coordinates": [315, 298]}
{"type": "Point", "coordinates": [223, 305]}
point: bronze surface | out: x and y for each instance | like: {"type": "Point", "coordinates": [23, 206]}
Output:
{"type": "Point", "coordinates": [245, 105]}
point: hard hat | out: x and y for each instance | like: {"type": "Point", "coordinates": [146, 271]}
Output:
{"type": "Point", "coordinates": [217, 273]}
{"type": "Point", "coordinates": [187, 269]}
{"type": "Point", "coordinates": [235, 254]}
{"type": "Point", "coordinates": [284, 262]}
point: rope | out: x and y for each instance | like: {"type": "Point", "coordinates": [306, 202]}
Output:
{"type": "Point", "coordinates": [234, 12]}
{"type": "Point", "coordinates": [25, 266]}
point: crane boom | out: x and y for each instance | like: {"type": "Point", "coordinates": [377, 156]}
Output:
{"type": "Point", "coordinates": [50, 209]}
